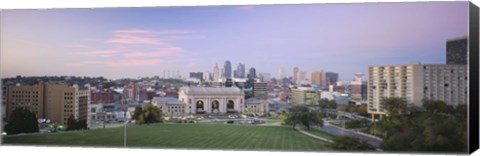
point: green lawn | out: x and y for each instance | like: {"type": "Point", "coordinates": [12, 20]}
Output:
{"type": "Point", "coordinates": [189, 136]}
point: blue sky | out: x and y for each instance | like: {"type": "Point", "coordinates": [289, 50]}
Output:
{"type": "Point", "coordinates": [132, 42]}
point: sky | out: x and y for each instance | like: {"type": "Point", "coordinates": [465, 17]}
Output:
{"type": "Point", "coordinates": [132, 42]}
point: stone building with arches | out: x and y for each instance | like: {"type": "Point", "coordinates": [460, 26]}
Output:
{"type": "Point", "coordinates": [212, 100]}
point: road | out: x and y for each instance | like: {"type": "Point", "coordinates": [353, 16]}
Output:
{"type": "Point", "coordinates": [345, 132]}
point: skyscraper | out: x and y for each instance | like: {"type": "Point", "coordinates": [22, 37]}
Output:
{"type": "Point", "coordinates": [457, 51]}
{"type": "Point", "coordinates": [301, 76]}
{"type": "Point", "coordinates": [331, 78]}
{"type": "Point", "coordinates": [282, 74]}
{"type": "Point", "coordinates": [197, 75]}
{"type": "Point", "coordinates": [318, 77]}
{"type": "Point", "coordinates": [295, 74]}
{"type": "Point", "coordinates": [216, 74]}
{"type": "Point", "coordinates": [240, 71]}
{"type": "Point", "coordinates": [228, 69]}
{"type": "Point", "coordinates": [252, 74]}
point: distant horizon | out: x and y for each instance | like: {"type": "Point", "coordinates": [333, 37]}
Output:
{"type": "Point", "coordinates": [117, 43]}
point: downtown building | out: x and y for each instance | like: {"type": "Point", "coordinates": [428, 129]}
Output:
{"type": "Point", "coordinates": [56, 102]}
{"type": "Point", "coordinates": [134, 93]}
{"type": "Point", "coordinates": [303, 95]}
{"type": "Point", "coordinates": [415, 82]}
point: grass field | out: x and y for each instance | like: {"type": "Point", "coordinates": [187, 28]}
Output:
{"type": "Point", "coordinates": [185, 136]}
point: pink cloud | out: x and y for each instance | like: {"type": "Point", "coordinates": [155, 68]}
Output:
{"type": "Point", "coordinates": [101, 53]}
{"type": "Point", "coordinates": [161, 52]}
{"type": "Point", "coordinates": [120, 63]}
{"type": "Point", "coordinates": [132, 39]}
{"type": "Point", "coordinates": [132, 31]}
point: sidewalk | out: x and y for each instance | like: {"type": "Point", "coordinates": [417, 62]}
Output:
{"type": "Point", "coordinates": [314, 136]}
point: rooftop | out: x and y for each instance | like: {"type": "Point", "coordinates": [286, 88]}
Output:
{"type": "Point", "coordinates": [222, 91]}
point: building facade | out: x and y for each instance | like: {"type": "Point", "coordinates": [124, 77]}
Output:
{"type": "Point", "coordinates": [228, 69]}
{"type": "Point", "coordinates": [101, 96]}
{"type": "Point", "coordinates": [256, 106]}
{"type": "Point", "coordinates": [415, 82]}
{"type": "Point", "coordinates": [170, 106]}
{"type": "Point", "coordinates": [56, 102]}
{"type": "Point", "coordinates": [134, 93]}
{"type": "Point", "coordinates": [331, 78]}
{"type": "Point", "coordinates": [216, 73]}
{"type": "Point", "coordinates": [320, 78]}
{"type": "Point", "coordinates": [196, 75]}
{"type": "Point", "coordinates": [457, 51]}
{"type": "Point", "coordinates": [207, 100]}
{"type": "Point", "coordinates": [305, 96]}
{"type": "Point", "coordinates": [295, 74]}
{"type": "Point", "coordinates": [260, 90]}
{"type": "Point", "coordinates": [359, 90]}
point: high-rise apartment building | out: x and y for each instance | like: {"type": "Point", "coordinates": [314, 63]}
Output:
{"type": "Point", "coordinates": [414, 82]}
{"type": "Point", "coordinates": [457, 51]}
{"type": "Point", "coordinates": [56, 102]}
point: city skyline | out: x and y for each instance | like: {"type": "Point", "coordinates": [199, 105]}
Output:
{"type": "Point", "coordinates": [132, 42]}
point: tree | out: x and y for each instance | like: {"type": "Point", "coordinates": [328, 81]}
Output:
{"type": "Point", "coordinates": [352, 109]}
{"type": "Point", "coordinates": [304, 116]}
{"type": "Point", "coordinates": [138, 111]}
{"type": "Point", "coordinates": [150, 114]}
{"type": "Point", "coordinates": [22, 121]}
{"type": "Point", "coordinates": [283, 116]}
{"type": "Point", "coordinates": [351, 144]}
{"type": "Point", "coordinates": [394, 105]}
{"type": "Point", "coordinates": [325, 103]}
{"type": "Point", "coordinates": [73, 124]}
{"type": "Point", "coordinates": [433, 130]}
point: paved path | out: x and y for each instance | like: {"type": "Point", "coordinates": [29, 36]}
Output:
{"type": "Point", "coordinates": [314, 136]}
{"type": "Point", "coordinates": [351, 133]}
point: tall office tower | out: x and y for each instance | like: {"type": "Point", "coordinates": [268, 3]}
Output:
{"type": "Point", "coordinates": [319, 77]}
{"type": "Point", "coordinates": [359, 88]}
{"type": "Point", "coordinates": [414, 82]}
{"type": "Point", "coordinates": [301, 76]}
{"type": "Point", "coordinates": [282, 73]}
{"type": "Point", "coordinates": [56, 102]}
{"type": "Point", "coordinates": [295, 74]}
{"type": "Point", "coordinates": [252, 74]}
{"type": "Point", "coordinates": [331, 78]}
{"type": "Point", "coordinates": [216, 73]}
{"type": "Point", "coordinates": [457, 51]}
{"type": "Point", "coordinates": [228, 69]}
{"type": "Point", "coordinates": [197, 75]}
{"type": "Point", "coordinates": [240, 72]}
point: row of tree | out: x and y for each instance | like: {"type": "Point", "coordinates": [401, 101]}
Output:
{"type": "Point", "coordinates": [433, 127]}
